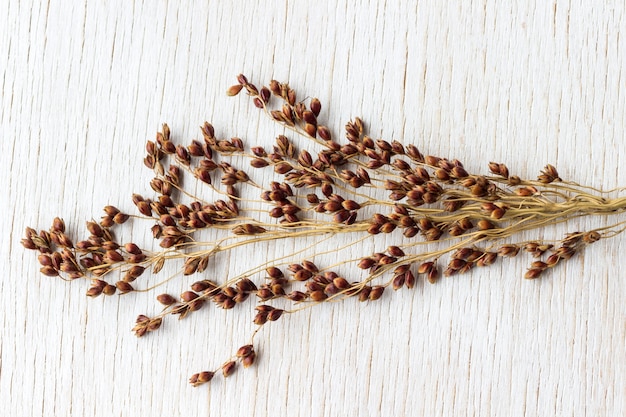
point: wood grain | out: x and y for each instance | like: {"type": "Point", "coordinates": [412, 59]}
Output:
{"type": "Point", "coordinates": [526, 83]}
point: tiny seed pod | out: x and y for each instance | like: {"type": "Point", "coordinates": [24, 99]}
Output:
{"type": "Point", "coordinates": [244, 351]}
{"type": "Point", "coordinates": [309, 117]}
{"type": "Point", "coordinates": [95, 229]}
{"type": "Point", "coordinates": [109, 245]}
{"type": "Point", "coordinates": [241, 79]}
{"type": "Point", "coordinates": [166, 299]}
{"type": "Point", "coordinates": [229, 368]}
{"type": "Point", "coordinates": [260, 318]}
{"type": "Point", "coordinates": [459, 172]}
{"type": "Point", "coordinates": [264, 308]}
{"type": "Point", "coordinates": [324, 133]}
{"type": "Point", "coordinates": [350, 205]}
{"type": "Point", "coordinates": [442, 175]}
{"type": "Point", "coordinates": [274, 272]}
{"type": "Point", "coordinates": [486, 259]}
{"type": "Point", "coordinates": [132, 248]}
{"type": "Point", "coordinates": [341, 283]}
{"type": "Point", "coordinates": [342, 216]}
{"type": "Point", "coordinates": [111, 210]}
{"type": "Point", "coordinates": [227, 304]}
{"type": "Point", "coordinates": [388, 227]}
{"type": "Point", "coordinates": [401, 269]}
{"type": "Point", "coordinates": [376, 293]}
{"type": "Point", "coordinates": [315, 106]}
{"type": "Point", "coordinates": [318, 296]}
{"type": "Point", "coordinates": [553, 260]}
{"type": "Point", "coordinates": [331, 290]}
{"type": "Point", "coordinates": [501, 170]}
{"type": "Point", "coordinates": [498, 213]}
{"type": "Point", "coordinates": [303, 275]}
{"type": "Point", "coordinates": [425, 267]}
{"type": "Point", "coordinates": [526, 191]}
{"type": "Point", "coordinates": [566, 252]}
{"type": "Point", "coordinates": [457, 264]}
{"type": "Point", "coordinates": [539, 265]}
{"type": "Point", "coordinates": [494, 167]}
{"type": "Point", "coordinates": [45, 259]}
{"type": "Point", "coordinates": [188, 296]}
{"type": "Point", "coordinates": [591, 237]}
{"type": "Point", "coordinates": [310, 129]}
{"type": "Point", "coordinates": [120, 218]}
{"type": "Point", "coordinates": [265, 94]}
{"type": "Point", "coordinates": [230, 291]}
{"type": "Point", "coordinates": [395, 251]}
{"type": "Point", "coordinates": [533, 273]}
{"type": "Point", "coordinates": [282, 168]}
{"type": "Point", "coordinates": [463, 253]}
{"type": "Point", "coordinates": [364, 293]}
{"type": "Point", "coordinates": [332, 206]}
{"type": "Point", "coordinates": [296, 296]}
{"type": "Point", "coordinates": [248, 360]}
{"type": "Point", "coordinates": [291, 96]}
{"type": "Point", "coordinates": [409, 279]}
{"type": "Point", "coordinates": [366, 263]}
{"type": "Point", "coordinates": [485, 225]}
{"type": "Point", "coordinates": [432, 160]}
{"type": "Point", "coordinates": [245, 285]}
{"type": "Point", "coordinates": [124, 287]}
{"type": "Point", "coordinates": [398, 281]}
{"type": "Point", "coordinates": [58, 225]}
{"type": "Point", "coordinates": [433, 275]}
{"type": "Point", "coordinates": [374, 229]}
{"type": "Point", "coordinates": [191, 265]}
{"type": "Point", "coordinates": [234, 90]}
{"type": "Point", "coordinates": [312, 198]}
{"type": "Point", "coordinates": [310, 266]}
{"type": "Point", "coordinates": [94, 291]}
{"type": "Point", "coordinates": [264, 293]}
{"type": "Point", "coordinates": [201, 378]}
{"type": "Point", "coordinates": [508, 250]}
{"type": "Point", "coordinates": [135, 259]}
{"type": "Point", "coordinates": [275, 314]}
{"type": "Point", "coordinates": [203, 264]}
{"type": "Point", "coordinates": [316, 284]}
{"type": "Point", "coordinates": [109, 289]}
{"type": "Point", "coordinates": [278, 290]}
{"type": "Point", "coordinates": [144, 208]}
{"type": "Point", "coordinates": [386, 260]}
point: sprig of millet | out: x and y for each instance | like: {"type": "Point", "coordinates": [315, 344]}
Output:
{"type": "Point", "coordinates": [475, 218]}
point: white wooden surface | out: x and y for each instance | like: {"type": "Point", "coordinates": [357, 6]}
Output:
{"type": "Point", "coordinates": [526, 83]}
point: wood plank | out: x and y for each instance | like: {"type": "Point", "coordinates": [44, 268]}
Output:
{"type": "Point", "coordinates": [84, 85]}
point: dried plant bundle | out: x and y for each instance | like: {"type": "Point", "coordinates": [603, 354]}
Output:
{"type": "Point", "coordinates": [451, 220]}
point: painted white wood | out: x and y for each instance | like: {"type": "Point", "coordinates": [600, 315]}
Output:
{"type": "Point", "coordinates": [83, 85]}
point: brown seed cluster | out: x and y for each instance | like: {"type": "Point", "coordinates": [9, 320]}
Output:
{"type": "Point", "coordinates": [433, 206]}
